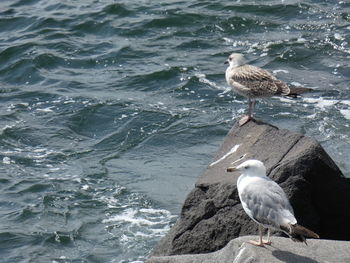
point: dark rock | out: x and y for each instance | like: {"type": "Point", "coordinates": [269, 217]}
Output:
{"type": "Point", "coordinates": [212, 214]}
{"type": "Point", "coordinates": [283, 250]}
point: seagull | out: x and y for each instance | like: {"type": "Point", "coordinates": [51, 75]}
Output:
{"type": "Point", "coordinates": [253, 82]}
{"type": "Point", "coordinates": [267, 204]}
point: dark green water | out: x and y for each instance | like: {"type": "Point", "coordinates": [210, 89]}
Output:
{"type": "Point", "coordinates": [110, 110]}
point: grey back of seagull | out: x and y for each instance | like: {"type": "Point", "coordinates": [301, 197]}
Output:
{"type": "Point", "coordinates": [267, 204]}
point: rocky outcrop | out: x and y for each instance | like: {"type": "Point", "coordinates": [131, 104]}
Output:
{"type": "Point", "coordinates": [283, 250]}
{"type": "Point", "coordinates": [212, 214]}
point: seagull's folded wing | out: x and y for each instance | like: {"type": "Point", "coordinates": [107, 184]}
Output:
{"type": "Point", "coordinates": [266, 203]}
{"type": "Point", "coordinates": [260, 82]}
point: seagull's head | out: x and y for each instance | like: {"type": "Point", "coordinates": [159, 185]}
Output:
{"type": "Point", "coordinates": [235, 60]}
{"type": "Point", "coordinates": [250, 167]}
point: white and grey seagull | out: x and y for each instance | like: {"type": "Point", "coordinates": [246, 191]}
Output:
{"type": "Point", "coordinates": [266, 203]}
{"type": "Point", "coordinates": [253, 82]}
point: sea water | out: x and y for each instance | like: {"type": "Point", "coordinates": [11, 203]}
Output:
{"type": "Point", "coordinates": [110, 110]}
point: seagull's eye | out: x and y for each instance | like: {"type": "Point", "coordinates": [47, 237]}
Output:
{"type": "Point", "coordinates": [246, 167]}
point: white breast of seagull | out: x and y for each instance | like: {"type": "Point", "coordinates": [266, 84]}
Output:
{"type": "Point", "coordinates": [265, 201]}
{"type": "Point", "coordinates": [237, 86]}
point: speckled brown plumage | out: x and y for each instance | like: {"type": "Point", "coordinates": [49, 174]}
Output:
{"type": "Point", "coordinates": [253, 82]}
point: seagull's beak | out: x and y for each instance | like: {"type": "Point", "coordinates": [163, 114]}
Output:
{"type": "Point", "coordinates": [226, 62]}
{"type": "Point", "coordinates": [231, 169]}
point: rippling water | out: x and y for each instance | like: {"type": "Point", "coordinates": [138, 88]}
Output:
{"type": "Point", "coordinates": [111, 109]}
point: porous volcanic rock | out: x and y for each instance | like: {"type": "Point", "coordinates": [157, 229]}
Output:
{"type": "Point", "coordinates": [212, 214]}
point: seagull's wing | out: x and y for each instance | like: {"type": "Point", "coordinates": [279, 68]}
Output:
{"type": "Point", "coordinates": [260, 82]}
{"type": "Point", "coordinates": [266, 203]}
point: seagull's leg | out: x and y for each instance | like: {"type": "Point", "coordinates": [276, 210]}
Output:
{"type": "Point", "coordinates": [268, 240]}
{"type": "Point", "coordinates": [260, 242]}
{"type": "Point", "coordinates": [249, 107]}
{"type": "Point", "coordinates": [252, 108]}
{"type": "Point", "coordinates": [248, 117]}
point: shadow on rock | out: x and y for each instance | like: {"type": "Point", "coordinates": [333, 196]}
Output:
{"type": "Point", "coordinates": [289, 257]}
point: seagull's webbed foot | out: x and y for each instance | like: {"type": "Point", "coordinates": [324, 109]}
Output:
{"type": "Point", "coordinates": [267, 242]}
{"type": "Point", "coordinates": [259, 243]}
{"type": "Point", "coordinates": [245, 119]}
{"type": "Point", "coordinates": [256, 243]}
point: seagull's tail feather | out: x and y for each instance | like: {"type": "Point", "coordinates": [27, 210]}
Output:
{"type": "Point", "coordinates": [295, 91]}
{"type": "Point", "coordinates": [299, 233]}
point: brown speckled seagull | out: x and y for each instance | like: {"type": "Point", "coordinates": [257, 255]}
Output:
{"type": "Point", "coordinates": [253, 82]}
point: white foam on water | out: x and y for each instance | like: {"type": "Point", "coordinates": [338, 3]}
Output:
{"type": "Point", "coordinates": [338, 36]}
{"type": "Point", "coordinates": [346, 102]}
{"type": "Point", "coordinates": [6, 127]}
{"type": "Point", "coordinates": [284, 113]}
{"type": "Point", "coordinates": [226, 90]}
{"type": "Point", "coordinates": [140, 217]}
{"type": "Point", "coordinates": [202, 78]}
{"type": "Point", "coordinates": [123, 116]}
{"type": "Point", "coordinates": [138, 224]}
{"type": "Point", "coordinates": [48, 109]}
{"type": "Point", "coordinates": [85, 187]}
{"type": "Point", "coordinates": [129, 216]}
{"type": "Point", "coordinates": [280, 70]}
{"type": "Point", "coordinates": [227, 40]}
{"type": "Point", "coordinates": [69, 101]}
{"type": "Point", "coordinates": [153, 211]}
{"type": "Point", "coordinates": [297, 84]}
{"type": "Point", "coordinates": [220, 28]}
{"type": "Point", "coordinates": [36, 155]}
{"type": "Point", "coordinates": [321, 103]}
{"type": "Point", "coordinates": [6, 160]}
{"type": "Point", "coordinates": [311, 116]}
{"type": "Point", "coordinates": [287, 100]}
{"type": "Point", "coordinates": [346, 114]}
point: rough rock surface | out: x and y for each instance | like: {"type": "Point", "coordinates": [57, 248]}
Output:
{"type": "Point", "coordinates": [282, 250]}
{"type": "Point", "coordinates": [212, 214]}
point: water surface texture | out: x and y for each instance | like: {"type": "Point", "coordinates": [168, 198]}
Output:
{"type": "Point", "coordinates": [110, 110]}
